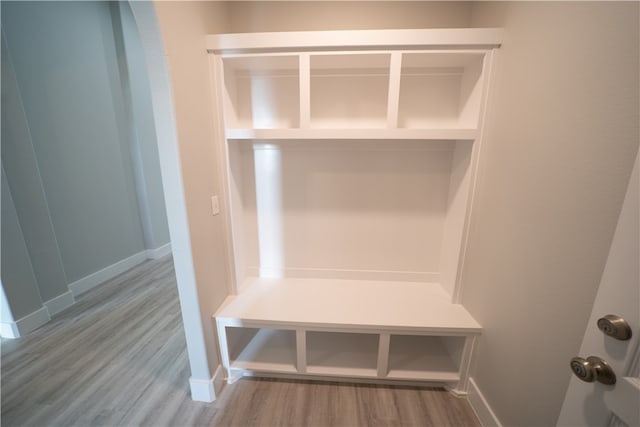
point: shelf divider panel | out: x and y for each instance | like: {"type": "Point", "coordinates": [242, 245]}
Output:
{"type": "Point", "coordinates": [393, 98]}
{"type": "Point", "coordinates": [383, 355]}
{"type": "Point", "coordinates": [301, 350]}
{"type": "Point", "coordinates": [305, 91]}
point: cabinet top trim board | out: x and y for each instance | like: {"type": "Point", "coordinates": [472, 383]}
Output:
{"type": "Point", "coordinates": [437, 38]}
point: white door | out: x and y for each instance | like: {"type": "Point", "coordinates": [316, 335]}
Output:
{"type": "Point", "coordinates": [596, 404]}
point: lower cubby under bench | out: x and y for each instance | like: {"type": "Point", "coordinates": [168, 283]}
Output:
{"type": "Point", "coordinates": [349, 330]}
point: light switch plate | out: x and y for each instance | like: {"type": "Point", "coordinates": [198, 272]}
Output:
{"type": "Point", "coordinates": [215, 205]}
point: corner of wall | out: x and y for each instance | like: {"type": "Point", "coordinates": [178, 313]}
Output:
{"type": "Point", "coordinates": [32, 321]}
{"type": "Point", "coordinates": [481, 407]}
{"type": "Point", "coordinates": [59, 303]}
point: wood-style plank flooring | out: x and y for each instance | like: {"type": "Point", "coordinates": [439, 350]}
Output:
{"type": "Point", "coordinates": [118, 358]}
{"type": "Point", "coordinates": [267, 402]}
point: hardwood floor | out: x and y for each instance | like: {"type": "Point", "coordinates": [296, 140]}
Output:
{"type": "Point", "coordinates": [266, 402]}
{"type": "Point", "coordinates": [118, 357]}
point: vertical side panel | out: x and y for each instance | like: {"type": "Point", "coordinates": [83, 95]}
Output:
{"type": "Point", "coordinates": [465, 365]}
{"type": "Point", "coordinates": [395, 69]}
{"type": "Point", "coordinates": [457, 207]}
{"type": "Point", "coordinates": [488, 72]}
{"type": "Point", "coordinates": [224, 347]}
{"type": "Point", "coordinates": [383, 355]}
{"type": "Point", "coordinates": [301, 350]}
{"type": "Point", "coordinates": [305, 91]}
{"type": "Point", "coordinates": [226, 92]}
{"type": "Point", "coordinates": [229, 187]}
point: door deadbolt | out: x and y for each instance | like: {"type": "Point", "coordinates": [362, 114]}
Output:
{"type": "Point", "coordinates": [593, 369]}
{"type": "Point", "coordinates": [615, 326]}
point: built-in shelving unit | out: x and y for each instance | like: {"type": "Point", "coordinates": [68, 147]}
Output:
{"type": "Point", "coordinates": [350, 161]}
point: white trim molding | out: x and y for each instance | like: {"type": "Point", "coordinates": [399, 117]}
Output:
{"type": "Point", "coordinates": [88, 282]}
{"type": "Point", "coordinates": [159, 252]}
{"type": "Point", "coordinates": [59, 303]}
{"type": "Point", "coordinates": [203, 390]}
{"type": "Point", "coordinates": [94, 279]}
{"type": "Point", "coordinates": [481, 407]}
{"type": "Point", "coordinates": [9, 330]}
{"type": "Point", "coordinates": [313, 40]}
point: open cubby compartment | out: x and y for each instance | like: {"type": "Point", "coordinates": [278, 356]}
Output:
{"type": "Point", "coordinates": [422, 357]}
{"type": "Point", "coordinates": [440, 90]}
{"type": "Point", "coordinates": [364, 210]}
{"type": "Point", "coordinates": [262, 349]}
{"type": "Point", "coordinates": [349, 90]}
{"type": "Point", "coordinates": [261, 91]}
{"type": "Point", "coordinates": [342, 353]}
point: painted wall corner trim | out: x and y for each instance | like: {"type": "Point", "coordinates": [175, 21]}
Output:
{"type": "Point", "coordinates": [205, 390]}
{"type": "Point", "coordinates": [481, 407]}
{"type": "Point", "coordinates": [159, 252]}
{"type": "Point", "coordinates": [32, 321]}
{"type": "Point", "coordinates": [9, 330]}
{"type": "Point", "coordinates": [88, 282]}
{"type": "Point", "coordinates": [59, 303]}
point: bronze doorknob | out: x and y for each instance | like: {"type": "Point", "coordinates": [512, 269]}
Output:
{"type": "Point", "coordinates": [593, 369]}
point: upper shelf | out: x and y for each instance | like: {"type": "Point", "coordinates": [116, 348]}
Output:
{"type": "Point", "coordinates": [415, 84]}
{"type": "Point", "coordinates": [459, 38]}
{"type": "Point", "coordinates": [344, 134]}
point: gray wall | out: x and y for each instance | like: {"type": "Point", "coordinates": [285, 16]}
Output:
{"type": "Point", "coordinates": [560, 143]}
{"type": "Point", "coordinates": [64, 58]}
{"type": "Point", "coordinates": [23, 296]}
{"type": "Point", "coordinates": [21, 168]}
{"type": "Point", "coordinates": [144, 147]}
{"type": "Point", "coordinates": [72, 147]}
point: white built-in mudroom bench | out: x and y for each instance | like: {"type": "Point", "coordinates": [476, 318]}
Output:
{"type": "Point", "coordinates": [349, 162]}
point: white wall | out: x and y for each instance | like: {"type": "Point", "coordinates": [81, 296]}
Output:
{"type": "Point", "coordinates": [560, 144]}
{"type": "Point", "coordinates": [144, 148]}
{"type": "Point", "coordinates": [316, 212]}
{"type": "Point", "coordinates": [259, 16]}
{"type": "Point", "coordinates": [18, 279]}
{"type": "Point", "coordinates": [586, 404]}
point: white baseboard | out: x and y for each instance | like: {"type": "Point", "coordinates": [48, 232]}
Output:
{"type": "Point", "coordinates": [203, 390]}
{"type": "Point", "coordinates": [159, 252]}
{"type": "Point", "coordinates": [9, 330]}
{"type": "Point", "coordinates": [59, 303]}
{"type": "Point", "coordinates": [37, 318]}
{"type": "Point", "coordinates": [55, 305]}
{"type": "Point", "coordinates": [33, 321]}
{"type": "Point", "coordinates": [481, 407]}
{"type": "Point", "coordinates": [88, 282]}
